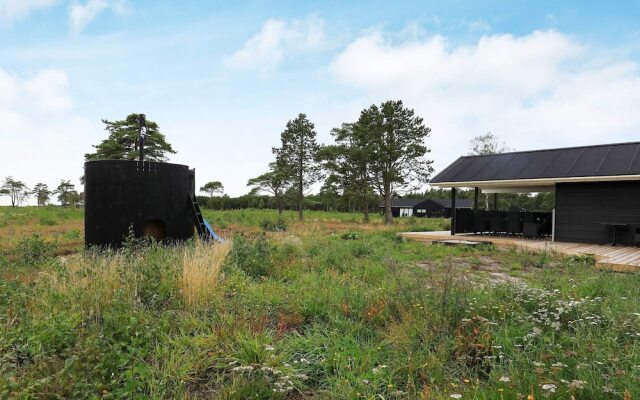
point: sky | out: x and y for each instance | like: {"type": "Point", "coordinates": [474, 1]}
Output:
{"type": "Point", "coordinates": [222, 78]}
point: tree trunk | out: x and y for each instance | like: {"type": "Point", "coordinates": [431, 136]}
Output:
{"type": "Point", "coordinates": [388, 217]}
{"type": "Point", "coordinates": [365, 210]}
{"type": "Point", "coordinates": [280, 210]}
{"type": "Point", "coordinates": [300, 201]}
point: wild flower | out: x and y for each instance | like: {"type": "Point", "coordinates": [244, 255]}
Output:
{"type": "Point", "coordinates": [456, 396]}
{"type": "Point", "coordinates": [576, 384]}
{"type": "Point", "coordinates": [549, 387]}
{"type": "Point", "coordinates": [377, 369]}
{"type": "Point", "coordinates": [505, 379]}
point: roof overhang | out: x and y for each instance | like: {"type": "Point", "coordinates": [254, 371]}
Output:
{"type": "Point", "coordinates": [531, 185]}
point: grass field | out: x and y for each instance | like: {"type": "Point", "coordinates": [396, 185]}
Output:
{"type": "Point", "coordinates": [327, 309]}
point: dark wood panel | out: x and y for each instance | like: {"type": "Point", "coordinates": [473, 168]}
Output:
{"type": "Point", "coordinates": [583, 208]}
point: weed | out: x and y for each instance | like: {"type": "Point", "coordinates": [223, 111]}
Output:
{"type": "Point", "coordinates": [201, 266]}
{"type": "Point", "coordinates": [350, 236]}
{"type": "Point", "coordinates": [251, 255]}
{"type": "Point", "coordinates": [32, 250]}
{"type": "Point", "coordinates": [274, 226]}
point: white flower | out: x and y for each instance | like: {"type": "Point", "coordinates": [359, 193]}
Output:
{"type": "Point", "coordinates": [505, 379]}
{"type": "Point", "coordinates": [269, 348]}
{"type": "Point", "coordinates": [549, 387]}
{"type": "Point", "coordinates": [576, 384]}
{"type": "Point", "coordinates": [456, 396]}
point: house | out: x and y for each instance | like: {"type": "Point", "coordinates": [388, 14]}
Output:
{"type": "Point", "coordinates": [425, 207]}
{"type": "Point", "coordinates": [597, 192]}
{"type": "Point", "coordinates": [441, 208]}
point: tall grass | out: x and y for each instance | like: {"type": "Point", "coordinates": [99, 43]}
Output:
{"type": "Point", "coordinates": [201, 267]}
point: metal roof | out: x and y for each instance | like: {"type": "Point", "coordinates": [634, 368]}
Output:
{"type": "Point", "coordinates": [405, 202]}
{"type": "Point", "coordinates": [460, 203]}
{"type": "Point", "coordinates": [593, 163]}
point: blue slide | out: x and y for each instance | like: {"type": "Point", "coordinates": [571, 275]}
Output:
{"type": "Point", "coordinates": [213, 234]}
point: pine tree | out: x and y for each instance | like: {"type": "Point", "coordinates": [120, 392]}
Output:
{"type": "Point", "coordinates": [297, 155]}
{"type": "Point", "coordinates": [392, 138]}
{"type": "Point", "coordinates": [122, 143]}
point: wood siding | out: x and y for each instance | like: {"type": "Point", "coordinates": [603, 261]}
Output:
{"type": "Point", "coordinates": [582, 209]}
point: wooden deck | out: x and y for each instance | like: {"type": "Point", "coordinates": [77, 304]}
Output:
{"type": "Point", "coordinates": [618, 258]}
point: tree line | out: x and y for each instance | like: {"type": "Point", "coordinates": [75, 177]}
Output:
{"type": "Point", "coordinates": [379, 156]}
{"type": "Point", "coordinates": [18, 192]}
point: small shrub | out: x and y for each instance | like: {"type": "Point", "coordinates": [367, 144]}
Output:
{"type": "Point", "coordinates": [585, 260]}
{"type": "Point", "coordinates": [361, 250]}
{"type": "Point", "coordinates": [33, 250]}
{"type": "Point", "coordinates": [273, 226]}
{"type": "Point", "coordinates": [47, 221]}
{"type": "Point", "coordinates": [350, 236]}
{"type": "Point", "coordinates": [251, 255]}
{"type": "Point", "coordinates": [73, 234]}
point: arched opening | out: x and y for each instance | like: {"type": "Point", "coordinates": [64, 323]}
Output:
{"type": "Point", "coordinates": [154, 228]}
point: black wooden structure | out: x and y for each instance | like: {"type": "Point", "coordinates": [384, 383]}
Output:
{"type": "Point", "coordinates": [153, 199]}
{"type": "Point", "coordinates": [429, 208]}
{"type": "Point", "coordinates": [597, 191]}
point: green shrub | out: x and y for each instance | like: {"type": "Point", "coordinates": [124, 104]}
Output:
{"type": "Point", "coordinates": [73, 234]}
{"type": "Point", "coordinates": [48, 221]}
{"type": "Point", "coordinates": [350, 236]}
{"type": "Point", "coordinates": [33, 250]}
{"type": "Point", "coordinates": [274, 226]}
{"type": "Point", "coordinates": [251, 255]}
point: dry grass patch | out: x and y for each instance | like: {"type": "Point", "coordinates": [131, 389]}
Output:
{"type": "Point", "coordinates": [201, 266]}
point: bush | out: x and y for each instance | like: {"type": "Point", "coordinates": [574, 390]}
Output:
{"type": "Point", "coordinates": [251, 255]}
{"type": "Point", "coordinates": [32, 250]}
{"type": "Point", "coordinates": [46, 220]}
{"type": "Point", "coordinates": [350, 236]}
{"type": "Point", "coordinates": [73, 234]}
{"type": "Point", "coordinates": [274, 226]}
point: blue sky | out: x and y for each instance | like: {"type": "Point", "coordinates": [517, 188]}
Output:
{"type": "Point", "coordinates": [222, 78]}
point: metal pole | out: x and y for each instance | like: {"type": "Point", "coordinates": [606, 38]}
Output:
{"type": "Point", "coordinates": [476, 195]}
{"type": "Point", "coordinates": [142, 124]}
{"type": "Point", "coordinates": [453, 211]}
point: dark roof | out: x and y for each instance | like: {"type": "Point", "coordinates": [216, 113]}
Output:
{"type": "Point", "coordinates": [460, 203]}
{"type": "Point", "coordinates": [406, 202]}
{"type": "Point", "coordinates": [599, 160]}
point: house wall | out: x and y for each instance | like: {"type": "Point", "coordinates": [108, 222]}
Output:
{"type": "Point", "coordinates": [435, 210]}
{"type": "Point", "coordinates": [583, 208]}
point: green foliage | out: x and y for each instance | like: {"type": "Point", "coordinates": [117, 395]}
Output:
{"type": "Point", "coordinates": [392, 139]}
{"type": "Point", "coordinates": [48, 221]}
{"type": "Point", "coordinates": [350, 236]}
{"type": "Point", "coordinates": [67, 195]}
{"type": "Point", "coordinates": [251, 255]}
{"type": "Point", "coordinates": [32, 250]}
{"type": "Point", "coordinates": [42, 193]}
{"type": "Point", "coordinates": [122, 142]}
{"type": "Point", "coordinates": [310, 314]}
{"type": "Point", "coordinates": [212, 188]}
{"type": "Point", "coordinates": [296, 158]}
{"type": "Point", "coordinates": [274, 226]}
{"type": "Point", "coordinates": [16, 190]}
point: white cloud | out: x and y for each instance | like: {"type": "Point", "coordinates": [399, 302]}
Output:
{"type": "Point", "coordinates": [266, 49]}
{"type": "Point", "coordinates": [41, 137]}
{"type": "Point", "coordinates": [80, 15]}
{"type": "Point", "coordinates": [13, 10]}
{"type": "Point", "coordinates": [540, 90]}
{"type": "Point", "coordinates": [49, 90]}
